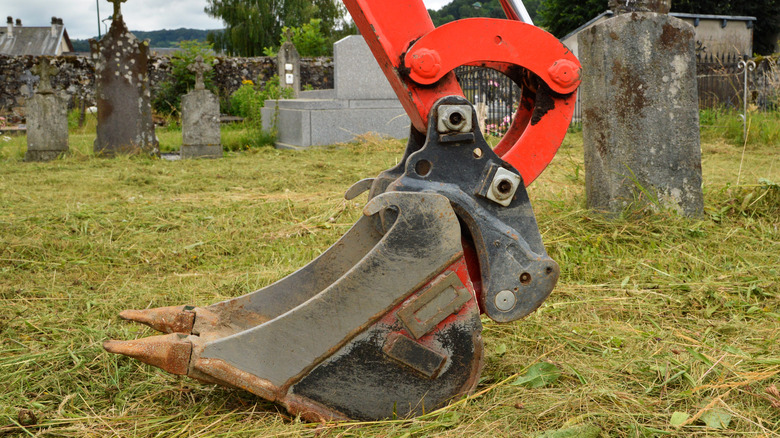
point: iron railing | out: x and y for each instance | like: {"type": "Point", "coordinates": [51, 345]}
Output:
{"type": "Point", "coordinates": [723, 81]}
{"type": "Point", "coordinates": [494, 96]}
{"type": "Point", "coordinates": [733, 81]}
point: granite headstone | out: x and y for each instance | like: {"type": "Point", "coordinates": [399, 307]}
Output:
{"type": "Point", "coordinates": [361, 102]}
{"type": "Point", "coordinates": [356, 74]}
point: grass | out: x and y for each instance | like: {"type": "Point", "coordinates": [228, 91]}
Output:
{"type": "Point", "coordinates": [235, 137]}
{"type": "Point", "coordinates": [656, 319]}
{"type": "Point", "coordinates": [725, 124]}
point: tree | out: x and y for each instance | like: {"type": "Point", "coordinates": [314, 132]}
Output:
{"type": "Point", "coordinates": [767, 13]}
{"type": "Point", "coordinates": [559, 17]}
{"type": "Point", "coordinates": [309, 39]}
{"type": "Point", "coordinates": [251, 25]}
{"type": "Point", "coordinates": [458, 9]}
{"type": "Point", "coordinates": [167, 99]}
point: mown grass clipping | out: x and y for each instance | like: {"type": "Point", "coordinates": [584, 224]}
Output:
{"type": "Point", "coordinates": [659, 326]}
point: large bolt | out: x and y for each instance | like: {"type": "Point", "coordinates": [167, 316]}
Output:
{"type": "Point", "coordinates": [426, 63]}
{"type": "Point", "coordinates": [564, 73]}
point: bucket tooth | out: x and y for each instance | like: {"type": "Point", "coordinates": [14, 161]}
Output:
{"type": "Point", "coordinates": [170, 353]}
{"type": "Point", "coordinates": [172, 319]}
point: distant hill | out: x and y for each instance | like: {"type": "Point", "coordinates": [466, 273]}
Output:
{"type": "Point", "coordinates": [159, 38]}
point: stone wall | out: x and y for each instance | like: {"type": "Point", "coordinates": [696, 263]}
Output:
{"type": "Point", "coordinates": [77, 76]}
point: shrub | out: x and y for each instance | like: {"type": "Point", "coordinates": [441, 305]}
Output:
{"type": "Point", "coordinates": [247, 102]}
{"type": "Point", "coordinates": [309, 40]}
{"type": "Point", "coordinates": [243, 100]}
{"type": "Point", "coordinates": [167, 100]}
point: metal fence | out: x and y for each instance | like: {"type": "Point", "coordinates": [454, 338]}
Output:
{"type": "Point", "coordinates": [724, 81]}
{"type": "Point", "coordinates": [731, 81]}
{"type": "Point", "coordinates": [494, 96]}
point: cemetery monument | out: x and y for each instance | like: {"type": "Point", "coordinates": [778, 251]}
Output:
{"type": "Point", "coordinates": [289, 65]}
{"type": "Point", "coordinates": [640, 111]}
{"type": "Point", "coordinates": [362, 101]}
{"type": "Point", "coordinates": [200, 117]}
{"type": "Point", "coordinates": [47, 118]}
{"type": "Point", "coordinates": [123, 92]}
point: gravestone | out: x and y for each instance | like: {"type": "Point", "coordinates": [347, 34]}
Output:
{"type": "Point", "coordinates": [47, 118]}
{"type": "Point", "coordinates": [640, 113]}
{"type": "Point", "coordinates": [200, 117]}
{"type": "Point", "coordinates": [361, 102]}
{"type": "Point", "coordinates": [123, 92]}
{"type": "Point", "coordinates": [356, 73]}
{"type": "Point", "coordinates": [288, 63]}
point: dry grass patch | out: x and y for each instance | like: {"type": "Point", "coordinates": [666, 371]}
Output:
{"type": "Point", "coordinates": [660, 325]}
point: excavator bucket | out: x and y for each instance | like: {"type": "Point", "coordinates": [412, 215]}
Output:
{"type": "Point", "coordinates": [383, 322]}
{"type": "Point", "coordinates": [386, 322]}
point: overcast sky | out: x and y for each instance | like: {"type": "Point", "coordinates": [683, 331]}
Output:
{"type": "Point", "coordinates": [80, 16]}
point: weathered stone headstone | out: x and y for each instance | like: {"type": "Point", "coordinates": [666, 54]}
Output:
{"type": "Point", "coordinates": [288, 63]}
{"type": "Point", "coordinates": [47, 118]}
{"type": "Point", "coordinates": [640, 113]}
{"type": "Point", "coordinates": [123, 92]}
{"type": "Point", "coordinates": [200, 118]}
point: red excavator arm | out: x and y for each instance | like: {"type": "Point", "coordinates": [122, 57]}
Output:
{"type": "Point", "coordinates": [418, 60]}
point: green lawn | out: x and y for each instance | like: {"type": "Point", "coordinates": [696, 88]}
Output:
{"type": "Point", "coordinates": [656, 319]}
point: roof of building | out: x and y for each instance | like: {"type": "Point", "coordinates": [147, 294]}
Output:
{"type": "Point", "coordinates": [609, 13]}
{"type": "Point", "coordinates": [34, 40]}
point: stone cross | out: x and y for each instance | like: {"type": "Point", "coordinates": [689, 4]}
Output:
{"type": "Point", "coordinates": [117, 8]}
{"type": "Point", "coordinates": [29, 80]}
{"type": "Point", "coordinates": [199, 68]}
{"type": "Point", "coordinates": [288, 34]}
{"type": "Point", "coordinates": [45, 71]}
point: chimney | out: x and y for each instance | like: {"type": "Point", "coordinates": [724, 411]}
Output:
{"type": "Point", "coordinates": [18, 22]}
{"type": "Point", "coordinates": [10, 26]}
{"type": "Point", "coordinates": [54, 27]}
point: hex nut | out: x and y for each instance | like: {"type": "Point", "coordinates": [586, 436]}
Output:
{"type": "Point", "coordinates": [454, 118]}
